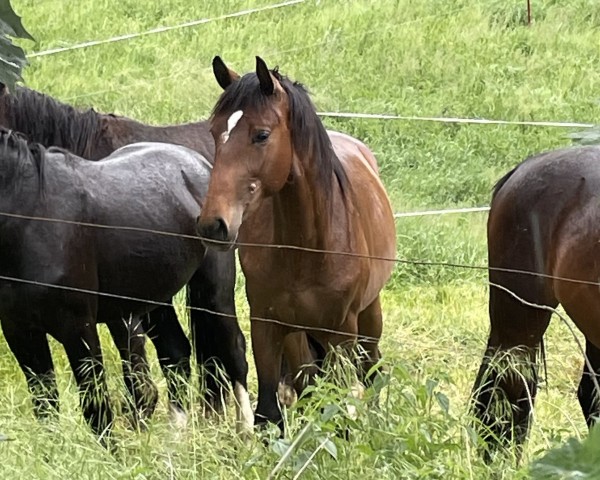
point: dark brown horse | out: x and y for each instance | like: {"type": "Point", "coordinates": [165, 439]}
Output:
{"type": "Point", "coordinates": [90, 134]}
{"type": "Point", "coordinates": [281, 178]}
{"type": "Point", "coordinates": [545, 219]}
{"type": "Point", "coordinates": [94, 136]}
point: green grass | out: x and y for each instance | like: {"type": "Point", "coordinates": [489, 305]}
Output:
{"type": "Point", "coordinates": [427, 58]}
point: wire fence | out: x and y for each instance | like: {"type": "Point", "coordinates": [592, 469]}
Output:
{"type": "Point", "coordinates": [479, 121]}
{"type": "Point", "coordinates": [299, 248]}
{"type": "Point", "coordinates": [446, 211]}
{"type": "Point", "coordinates": [273, 246]}
{"type": "Point", "coordinates": [154, 31]}
{"type": "Point", "coordinates": [352, 115]}
{"type": "Point", "coordinates": [331, 114]}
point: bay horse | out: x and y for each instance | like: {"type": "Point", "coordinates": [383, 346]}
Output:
{"type": "Point", "coordinates": [94, 136]}
{"type": "Point", "coordinates": [544, 219]}
{"type": "Point", "coordinates": [107, 274]}
{"type": "Point", "coordinates": [281, 178]}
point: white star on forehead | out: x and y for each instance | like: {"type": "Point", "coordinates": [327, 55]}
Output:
{"type": "Point", "coordinates": [231, 123]}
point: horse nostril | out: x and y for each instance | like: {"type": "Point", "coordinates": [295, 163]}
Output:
{"type": "Point", "coordinates": [214, 229]}
{"type": "Point", "coordinates": [221, 229]}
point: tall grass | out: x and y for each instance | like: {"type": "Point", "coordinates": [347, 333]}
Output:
{"type": "Point", "coordinates": [427, 58]}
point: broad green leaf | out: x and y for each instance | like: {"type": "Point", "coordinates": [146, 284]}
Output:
{"type": "Point", "coordinates": [12, 57]}
{"type": "Point", "coordinates": [575, 460]}
{"type": "Point", "coordinates": [443, 401]}
{"type": "Point", "coordinates": [10, 22]}
{"type": "Point", "coordinates": [12, 62]}
{"type": "Point", "coordinates": [329, 412]}
{"type": "Point", "coordinates": [331, 448]}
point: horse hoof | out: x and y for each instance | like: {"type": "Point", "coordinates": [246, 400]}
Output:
{"type": "Point", "coordinates": [214, 404]}
{"type": "Point", "coordinates": [357, 391]}
{"type": "Point", "coordinates": [287, 394]}
{"type": "Point", "coordinates": [179, 418]}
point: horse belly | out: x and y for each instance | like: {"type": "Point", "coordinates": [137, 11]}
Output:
{"type": "Point", "coordinates": [299, 307]}
{"type": "Point", "coordinates": [148, 270]}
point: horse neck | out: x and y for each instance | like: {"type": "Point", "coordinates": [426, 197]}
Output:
{"type": "Point", "coordinates": [123, 131]}
{"type": "Point", "coordinates": [301, 213]}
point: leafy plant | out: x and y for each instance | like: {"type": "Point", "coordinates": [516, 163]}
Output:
{"type": "Point", "coordinates": [575, 459]}
{"type": "Point", "coordinates": [12, 57]}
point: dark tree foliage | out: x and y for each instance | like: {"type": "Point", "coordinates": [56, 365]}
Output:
{"type": "Point", "coordinates": [12, 57]}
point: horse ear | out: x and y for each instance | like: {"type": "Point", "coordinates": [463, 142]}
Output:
{"type": "Point", "coordinates": [3, 89]}
{"type": "Point", "coordinates": [224, 75]}
{"type": "Point", "coordinates": [264, 77]}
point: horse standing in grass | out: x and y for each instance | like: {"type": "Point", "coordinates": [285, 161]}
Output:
{"type": "Point", "coordinates": [94, 136]}
{"type": "Point", "coordinates": [106, 274]}
{"type": "Point", "coordinates": [280, 178]}
{"type": "Point", "coordinates": [544, 219]}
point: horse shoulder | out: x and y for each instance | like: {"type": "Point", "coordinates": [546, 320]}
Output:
{"type": "Point", "coordinates": [344, 141]}
{"type": "Point", "coordinates": [362, 170]}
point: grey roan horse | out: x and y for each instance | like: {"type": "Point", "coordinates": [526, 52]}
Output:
{"type": "Point", "coordinates": [142, 186]}
{"type": "Point", "coordinates": [94, 136]}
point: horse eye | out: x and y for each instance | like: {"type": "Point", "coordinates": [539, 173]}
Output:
{"type": "Point", "coordinates": [261, 136]}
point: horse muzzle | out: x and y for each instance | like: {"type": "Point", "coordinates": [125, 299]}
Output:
{"type": "Point", "coordinates": [215, 234]}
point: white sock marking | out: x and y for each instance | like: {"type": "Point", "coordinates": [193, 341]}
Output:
{"type": "Point", "coordinates": [243, 410]}
{"type": "Point", "coordinates": [179, 418]}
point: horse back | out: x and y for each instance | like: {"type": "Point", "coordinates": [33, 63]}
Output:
{"type": "Point", "coordinates": [154, 191]}
{"type": "Point", "coordinates": [545, 208]}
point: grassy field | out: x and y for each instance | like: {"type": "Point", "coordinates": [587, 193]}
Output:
{"type": "Point", "coordinates": [465, 58]}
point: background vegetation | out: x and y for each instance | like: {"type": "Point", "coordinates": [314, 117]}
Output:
{"type": "Point", "coordinates": [466, 58]}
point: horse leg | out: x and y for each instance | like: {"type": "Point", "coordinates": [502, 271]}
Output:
{"type": "Point", "coordinates": [582, 303]}
{"type": "Point", "coordinates": [267, 345]}
{"type": "Point", "coordinates": [588, 394]}
{"type": "Point", "coordinates": [300, 365]}
{"type": "Point", "coordinates": [173, 350]}
{"type": "Point", "coordinates": [219, 342]}
{"type": "Point", "coordinates": [82, 345]}
{"type": "Point", "coordinates": [370, 326]}
{"type": "Point", "coordinates": [129, 338]}
{"type": "Point", "coordinates": [31, 349]}
{"type": "Point", "coordinates": [506, 385]}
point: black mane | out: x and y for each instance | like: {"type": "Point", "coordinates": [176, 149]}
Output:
{"type": "Point", "coordinates": [50, 122]}
{"type": "Point", "coordinates": [309, 136]}
{"type": "Point", "coordinates": [16, 152]}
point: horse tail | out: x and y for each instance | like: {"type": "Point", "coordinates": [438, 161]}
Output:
{"type": "Point", "coordinates": [500, 183]}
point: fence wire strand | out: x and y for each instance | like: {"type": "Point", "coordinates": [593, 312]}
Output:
{"type": "Point", "coordinates": [156, 30]}
{"type": "Point", "coordinates": [351, 115]}
{"type": "Point", "coordinates": [481, 121]}
{"type": "Point", "coordinates": [277, 246]}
